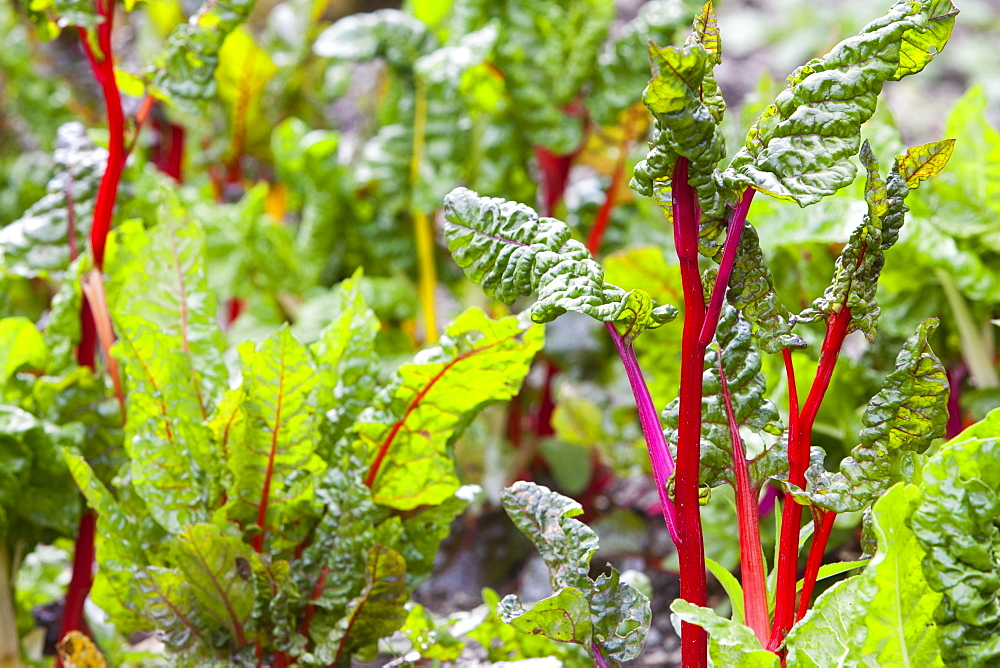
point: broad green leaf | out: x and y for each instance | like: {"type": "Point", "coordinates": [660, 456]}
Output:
{"type": "Point", "coordinates": [185, 73]}
{"type": "Point", "coordinates": [169, 602]}
{"type": "Point", "coordinates": [273, 467]}
{"type": "Point", "coordinates": [62, 328]}
{"type": "Point", "coordinates": [406, 432]}
{"type": "Point", "coordinates": [510, 251]}
{"type": "Point", "coordinates": [974, 177]}
{"type": "Point", "coordinates": [883, 617]}
{"type": "Point", "coordinates": [346, 361]}
{"type": "Point", "coordinates": [900, 422]}
{"type": "Point", "coordinates": [376, 612]}
{"type": "Point", "coordinates": [422, 533]}
{"type": "Point", "coordinates": [117, 589]}
{"type": "Point", "coordinates": [800, 147]}
{"type": "Point", "coordinates": [38, 243]}
{"type": "Point", "coordinates": [208, 559]}
{"type": "Point", "coordinates": [564, 617]}
{"type": "Point", "coordinates": [730, 643]}
{"type": "Point", "coordinates": [735, 351]}
{"type": "Point", "coordinates": [955, 523]}
{"type": "Point", "coordinates": [171, 451]}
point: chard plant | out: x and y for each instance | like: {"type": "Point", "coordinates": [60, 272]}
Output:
{"type": "Point", "coordinates": [801, 149]}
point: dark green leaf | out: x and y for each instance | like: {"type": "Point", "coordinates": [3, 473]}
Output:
{"type": "Point", "coordinates": [741, 363]}
{"type": "Point", "coordinates": [900, 422]}
{"type": "Point", "coordinates": [386, 33]}
{"type": "Point", "coordinates": [510, 251]}
{"type": "Point", "coordinates": [800, 147]}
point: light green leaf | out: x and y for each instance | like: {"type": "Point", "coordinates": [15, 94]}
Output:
{"type": "Point", "coordinates": [346, 361]}
{"type": "Point", "coordinates": [273, 467]}
{"type": "Point", "coordinates": [564, 617]}
{"type": "Point", "coordinates": [386, 33]}
{"type": "Point", "coordinates": [566, 545]}
{"type": "Point", "coordinates": [800, 147]}
{"type": "Point", "coordinates": [922, 162]}
{"type": "Point", "coordinates": [883, 617]}
{"type": "Point", "coordinates": [21, 345]}
{"type": "Point", "coordinates": [611, 614]}
{"type": "Point", "coordinates": [376, 612]}
{"type": "Point", "coordinates": [406, 432]}
{"type": "Point", "coordinates": [209, 560]}
{"type": "Point", "coordinates": [430, 639]}
{"type": "Point", "coordinates": [510, 251]}
{"type": "Point", "coordinates": [732, 586]}
{"type": "Point", "coordinates": [900, 422]}
{"type": "Point", "coordinates": [955, 523]}
{"type": "Point", "coordinates": [185, 73]}
{"type": "Point", "coordinates": [730, 643]}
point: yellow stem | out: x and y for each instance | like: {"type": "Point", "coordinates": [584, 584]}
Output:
{"type": "Point", "coordinates": [423, 227]}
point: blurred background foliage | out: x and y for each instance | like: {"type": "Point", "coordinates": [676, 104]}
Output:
{"type": "Point", "coordinates": [319, 137]}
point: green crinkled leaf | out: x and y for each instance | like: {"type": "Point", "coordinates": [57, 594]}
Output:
{"type": "Point", "coordinates": [332, 567]}
{"type": "Point", "coordinates": [685, 122]}
{"type": "Point", "coordinates": [563, 617]}
{"type": "Point", "coordinates": [730, 643]}
{"type": "Point", "coordinates": [566, 544]}
{"type": "Point", "coordinates": [859, 265]}
{"type": "Point", "coordinates": [621, 617]}
{"type": "Point", "coordinates": [955, 523]}
{"type": "Point", "coordinates": [386, 33]}
{"type": "Point", "coordinates": [605, 615]}
{"type": "Point", "coordinates": [751, 291]}
{"type": "Point", "coordinates": [741, 363]}
{"type": "Point", "coordinates": [209, 562]}
{"type": "Point", "coordinates": [510, 251]}
{"type": "Point", "coordinates": [423, 531]}
{"type": "Point", "coordinates": [38, 244]}
{"type": "Point", "coordinates": [883, 617]}
{"type": "Point", "coordinates": [274, 464]}
{"type": "Point", "coordinates": [185, 73]}
{"type": "Point", "coordinates": [909, 412]}
{"type": "Point", "coordinates": [375, 613]}
{"type": "Point", "coordinates": [407, 431]}
{"type": "Point", "coordinates": [504, 643]}
{"type": "Point", "coordinates": [346, 361]}
{"type": "Point", "coordinates": [800, 147]}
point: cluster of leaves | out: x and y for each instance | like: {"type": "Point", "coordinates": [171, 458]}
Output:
{"type": "Point", "coordinates": [248, 518]}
